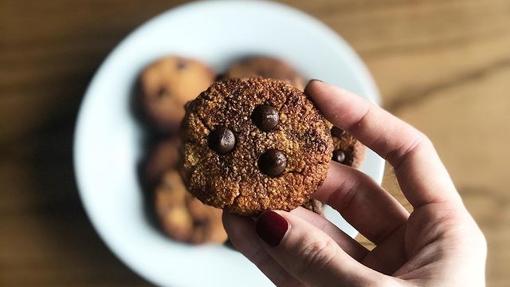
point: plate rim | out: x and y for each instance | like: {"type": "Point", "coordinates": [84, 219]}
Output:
{"type": "Point", "coordinates": [360, 67]}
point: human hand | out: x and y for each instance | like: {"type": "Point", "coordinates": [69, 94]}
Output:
{"type": "Point", "coordinates": [438, 244]}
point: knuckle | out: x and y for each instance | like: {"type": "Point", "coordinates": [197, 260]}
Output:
{"type": "Point", "coordinates": [421, 140]}
{"type": "Point", "coordinates": [416, 141]}
{"type": "Point", "coordinates": [315, 255]}
{"type": "Point", "coordinates": [424, 140]}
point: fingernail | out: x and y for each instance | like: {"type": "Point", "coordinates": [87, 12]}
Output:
{"type": "Point", "coordinates": [271, 227]}
{"type": "Point", "coordinates": [309, 83]}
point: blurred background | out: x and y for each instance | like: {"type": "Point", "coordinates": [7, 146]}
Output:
{"type": "Point", "coordinates": [443, 66]}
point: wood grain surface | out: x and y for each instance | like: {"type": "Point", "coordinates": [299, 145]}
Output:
{"type": "Point", "coordinates": [444, 66]}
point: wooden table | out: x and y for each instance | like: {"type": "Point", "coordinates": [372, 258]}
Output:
{"type": "Point", "coordinates": [442, 65]}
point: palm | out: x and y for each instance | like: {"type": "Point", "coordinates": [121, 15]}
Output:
{"type": "Point", "coordinates": [403, 244]}
{"type": "Point", "coordinates": [422, 247]}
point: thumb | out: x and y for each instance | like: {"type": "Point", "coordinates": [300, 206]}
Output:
{"type": "Point", "coordinates": [309, 254]}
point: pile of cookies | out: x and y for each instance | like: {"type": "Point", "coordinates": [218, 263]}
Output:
{"type": "Point", "coordinates": [166, 86]}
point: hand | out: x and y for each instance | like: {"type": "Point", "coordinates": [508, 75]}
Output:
{"type": "Point", "coordinates": [438, 244]}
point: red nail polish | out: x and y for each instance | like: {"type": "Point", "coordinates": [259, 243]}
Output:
{"type": "Point", "coordinates": [271, 227]}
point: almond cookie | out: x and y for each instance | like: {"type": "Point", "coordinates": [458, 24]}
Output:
{"type": "Point", "coordinates": [347, 150]}
{"type": "Point", "coordinates": [183, 217]}
{"type": "Point", "coordinates": [162, 156]}
{"type": "Point", "coordinates": [166, 85]}
{"type": "Point", "coordinates": [251, 145]}
{"type": "Point", "coordinates": [265, 67]}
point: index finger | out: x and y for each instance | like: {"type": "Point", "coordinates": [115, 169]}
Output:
{"type": "Point", "coordinates": [420, 173]}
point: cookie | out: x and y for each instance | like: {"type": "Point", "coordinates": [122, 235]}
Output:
{"type": "Point", "coordinates": [265, 67]}
{"type": "Point", "coordinates": [166, 85]}
{"type": "Point", "coordinates": [315, 206]}
{"type": "Point", "coordinates": [162, 156]}
{"type": "Point", "coordinates": [183, 217]}
{"type": "Point", "coordinates": [255, 144]}
{"type": "Point", "coordinates": [347, 150]}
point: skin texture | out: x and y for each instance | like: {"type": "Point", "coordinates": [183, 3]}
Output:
{"type": "Point", "coordinates": [437, 244]}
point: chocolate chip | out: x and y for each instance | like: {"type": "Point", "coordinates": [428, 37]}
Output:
{"type": "Point", "coordinates": [338, 156]}
{"type": "Point", "coordinates": [337, 132]}
{"type": "Point", "coordinates": [272, 162]}
{"type": "Point", "coordinates": [181, 64]}
{"type": "Point", "coordinates": [162, 93]}
{"type": "Point", "coordinates": [222, 140]}
{"type": "Point", "coordinates": [265, 117]}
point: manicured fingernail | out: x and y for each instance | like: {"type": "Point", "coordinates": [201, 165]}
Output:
{"type": "Point", "coordinates": [309, 83]}
{"type": "Point", "coordinates": [271, 227]}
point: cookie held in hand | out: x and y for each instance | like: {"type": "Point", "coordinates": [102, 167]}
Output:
{"type": "Point", "coordinates": [250, 145]}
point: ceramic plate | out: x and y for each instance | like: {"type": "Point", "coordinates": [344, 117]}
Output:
{"type": "Point", "coordinates": [108, 138]}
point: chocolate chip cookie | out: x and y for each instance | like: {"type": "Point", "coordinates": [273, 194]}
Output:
{"type": "Point", "coordinates": [347, 150]}
{"type": "Point", "coordinates": [166, 85]}
{"type": "Point", "coordinates": [265, 67]}
{"type": "Point", "coordinates": [183, 217]}
{"type": "Point", "coordinates": [162, 156]}
{"type": "Point", "coordinates": [255, 144]}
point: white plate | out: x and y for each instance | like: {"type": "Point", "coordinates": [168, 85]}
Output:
{"type": "Point", "coordinates": [107, 140]}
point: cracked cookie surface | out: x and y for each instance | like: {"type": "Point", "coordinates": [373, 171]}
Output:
{"type": "Point", "coordinates": [246, 163]}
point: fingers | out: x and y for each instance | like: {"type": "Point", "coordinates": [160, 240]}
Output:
{"type": "Point", "coordinates": [419, 170]}
{"type": "Point", "coordinates": [376, 128]}
{"type": "Point", "coordinates": [390, 255]}
{"type": "Point", "coordinates": [363, 203]}
{"type": "Point", "coordinates": [309, 254]}
{"type": "Point", "coordinates": [241, 232]}
{"type": "Point", "coordinates": [347, 243]}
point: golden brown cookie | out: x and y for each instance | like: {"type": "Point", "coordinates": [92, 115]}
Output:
{"type": "Point", "coordinates": [265, 67]}
{"type": "Point", "coordinates": [166, 85]}
{"type": "Point", "coordinates": [347, 150]}
{"type": "Point", "coordinates": [183, 217]}
{"type": "Point", "coordinates": [254, 144]}
{"type": "Point", "coordinates": [162, 156]}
